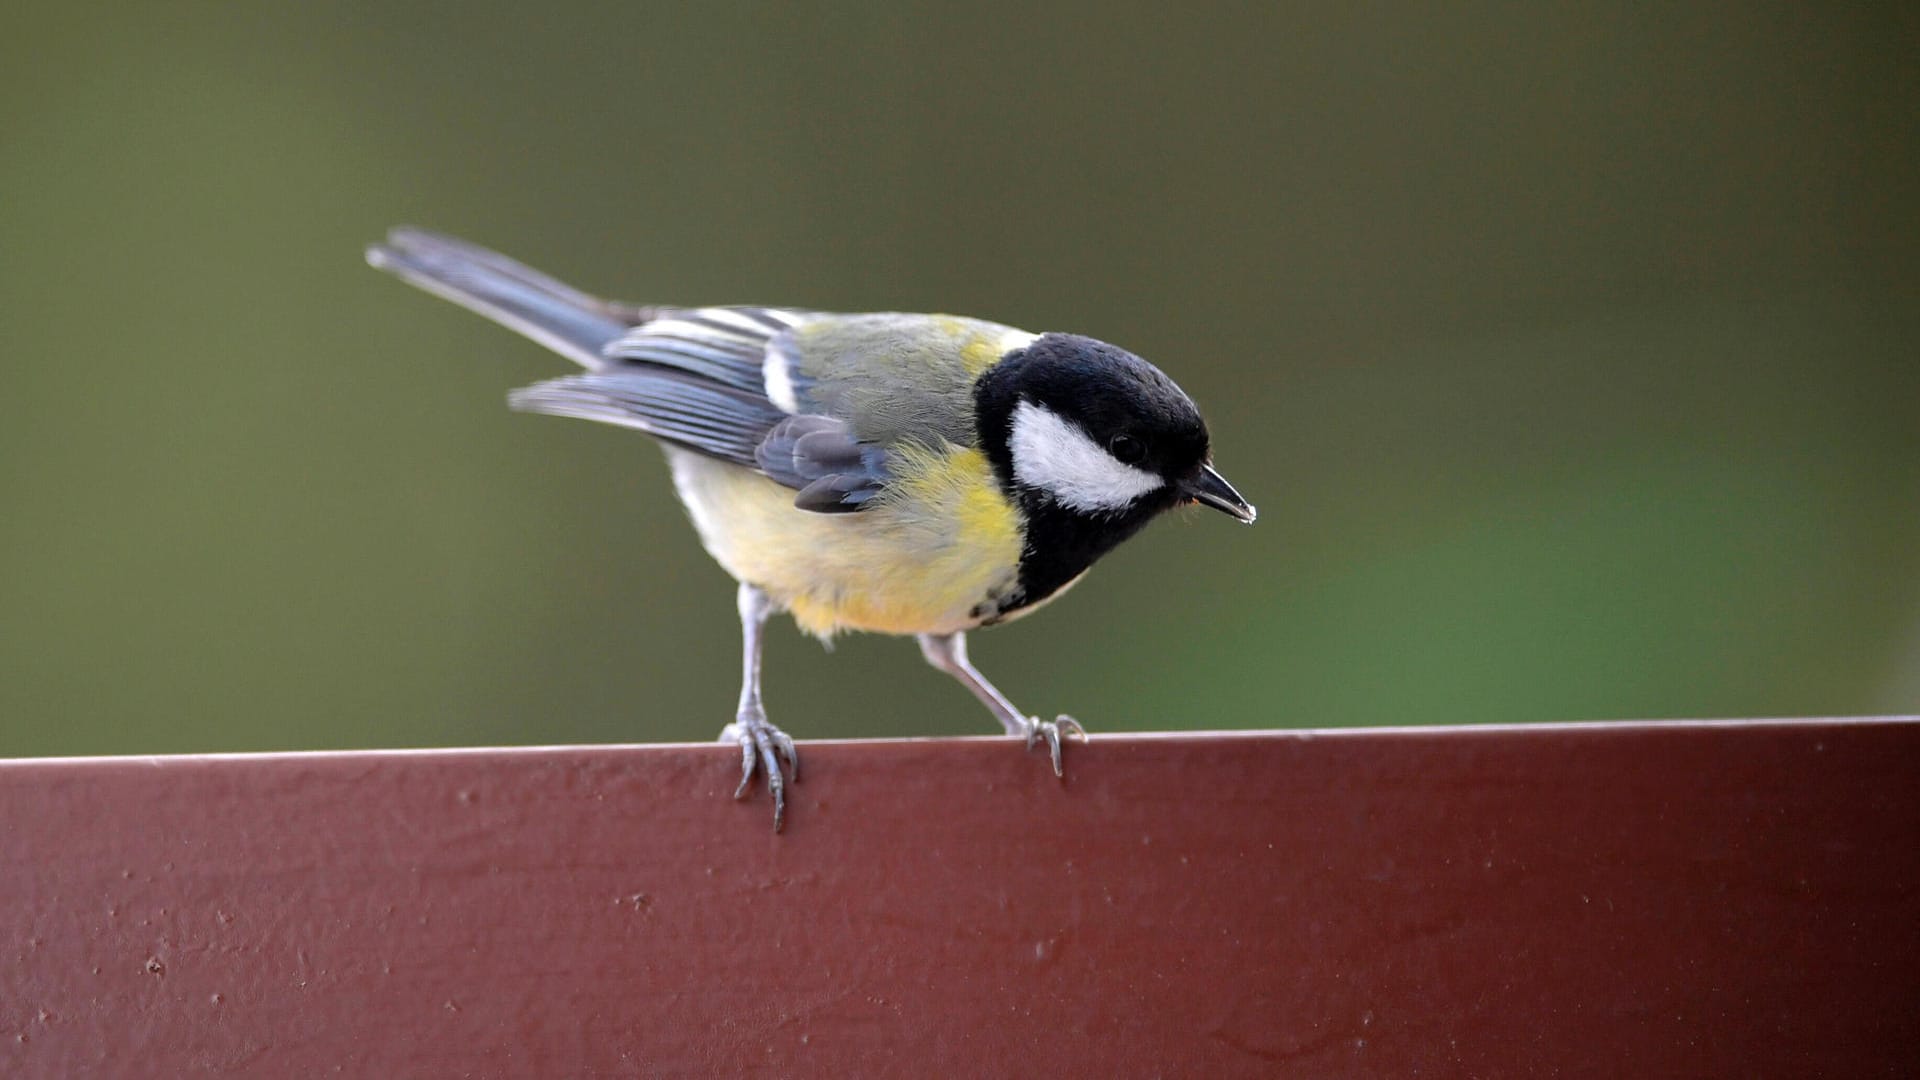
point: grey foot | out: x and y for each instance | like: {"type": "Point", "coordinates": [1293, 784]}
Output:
{"type": "Point", "coordinates": [1052, 730]}
{"type": "Point", "coordinates": [763, 747]}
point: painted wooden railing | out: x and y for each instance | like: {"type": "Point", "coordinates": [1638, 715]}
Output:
{"type": "Point", "coordinates": [1620, 900]}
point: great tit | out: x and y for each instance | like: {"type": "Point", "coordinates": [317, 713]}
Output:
{"type": "Point", "coordinates": [896, 473]}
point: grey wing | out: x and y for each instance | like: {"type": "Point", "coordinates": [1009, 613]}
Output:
{"type": "Point", "coordinates": [834, 471]}
{"type": "Point", "coordinates": [712, 418]}
{"type": "Point", "coordinates": [725, 344]}
{"type": "Point", "coordinates": [702, 378]}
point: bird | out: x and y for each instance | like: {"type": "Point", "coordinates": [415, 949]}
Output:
{"type": "Point", "coordinates": [908, 474]}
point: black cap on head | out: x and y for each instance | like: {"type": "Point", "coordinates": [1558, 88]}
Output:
{"type": "Point", "coordinates": [1124, 404]}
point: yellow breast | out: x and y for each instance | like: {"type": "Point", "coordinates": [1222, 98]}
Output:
{"type": "Point", "coordinates": [923, 558]}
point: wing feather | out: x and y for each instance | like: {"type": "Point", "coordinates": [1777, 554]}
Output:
{"type": "Point", "coordinates": [812, 401]}
{"type": "Point", "coordinates": [714, 419]}
{"type": "Point", "coordinates": [834, 471]}
{"type": "Point", "coordinates": [725, 344]}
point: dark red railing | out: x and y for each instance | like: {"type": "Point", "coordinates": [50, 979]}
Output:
{"type": "Point", "coordinates": [1632, 900]}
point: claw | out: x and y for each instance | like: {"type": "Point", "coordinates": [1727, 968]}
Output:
{"type": "Point", "coordinates": [785, 743]}
{"type": "Point", "coordinates": [746, 765]}
{"type": "Point", "coordinates": [1051, 730]}
{"type": "Point", "coordinates": [762, 747]}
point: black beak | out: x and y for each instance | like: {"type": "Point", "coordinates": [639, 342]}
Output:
{"type": "Point", "coordinates": [1209, 487]}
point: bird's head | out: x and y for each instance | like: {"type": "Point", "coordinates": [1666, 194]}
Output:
{"type": "Point", "coordinates": [1078, 427]}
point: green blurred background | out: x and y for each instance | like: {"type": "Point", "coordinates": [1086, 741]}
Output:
{"type": "Point", "coordinates": [1573, 357]}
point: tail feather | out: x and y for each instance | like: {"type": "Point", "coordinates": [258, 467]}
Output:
{"type": "Point", "coordinates": [562, 318]}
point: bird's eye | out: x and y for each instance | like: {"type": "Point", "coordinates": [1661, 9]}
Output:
{"type": "Point", "coordinates": [1126, 448]}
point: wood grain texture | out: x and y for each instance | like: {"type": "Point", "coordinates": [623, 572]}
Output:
{"type": "Point", "coordinates": [1608, 900]}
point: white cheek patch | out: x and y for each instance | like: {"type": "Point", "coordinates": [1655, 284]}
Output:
{"type": "Point", "coordinates": [1052, 453]}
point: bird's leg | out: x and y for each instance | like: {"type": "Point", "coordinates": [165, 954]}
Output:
{"type": "Point", "coordinates": [948, 652]}
{"type": "Point", "coordinates": [762, 745]}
